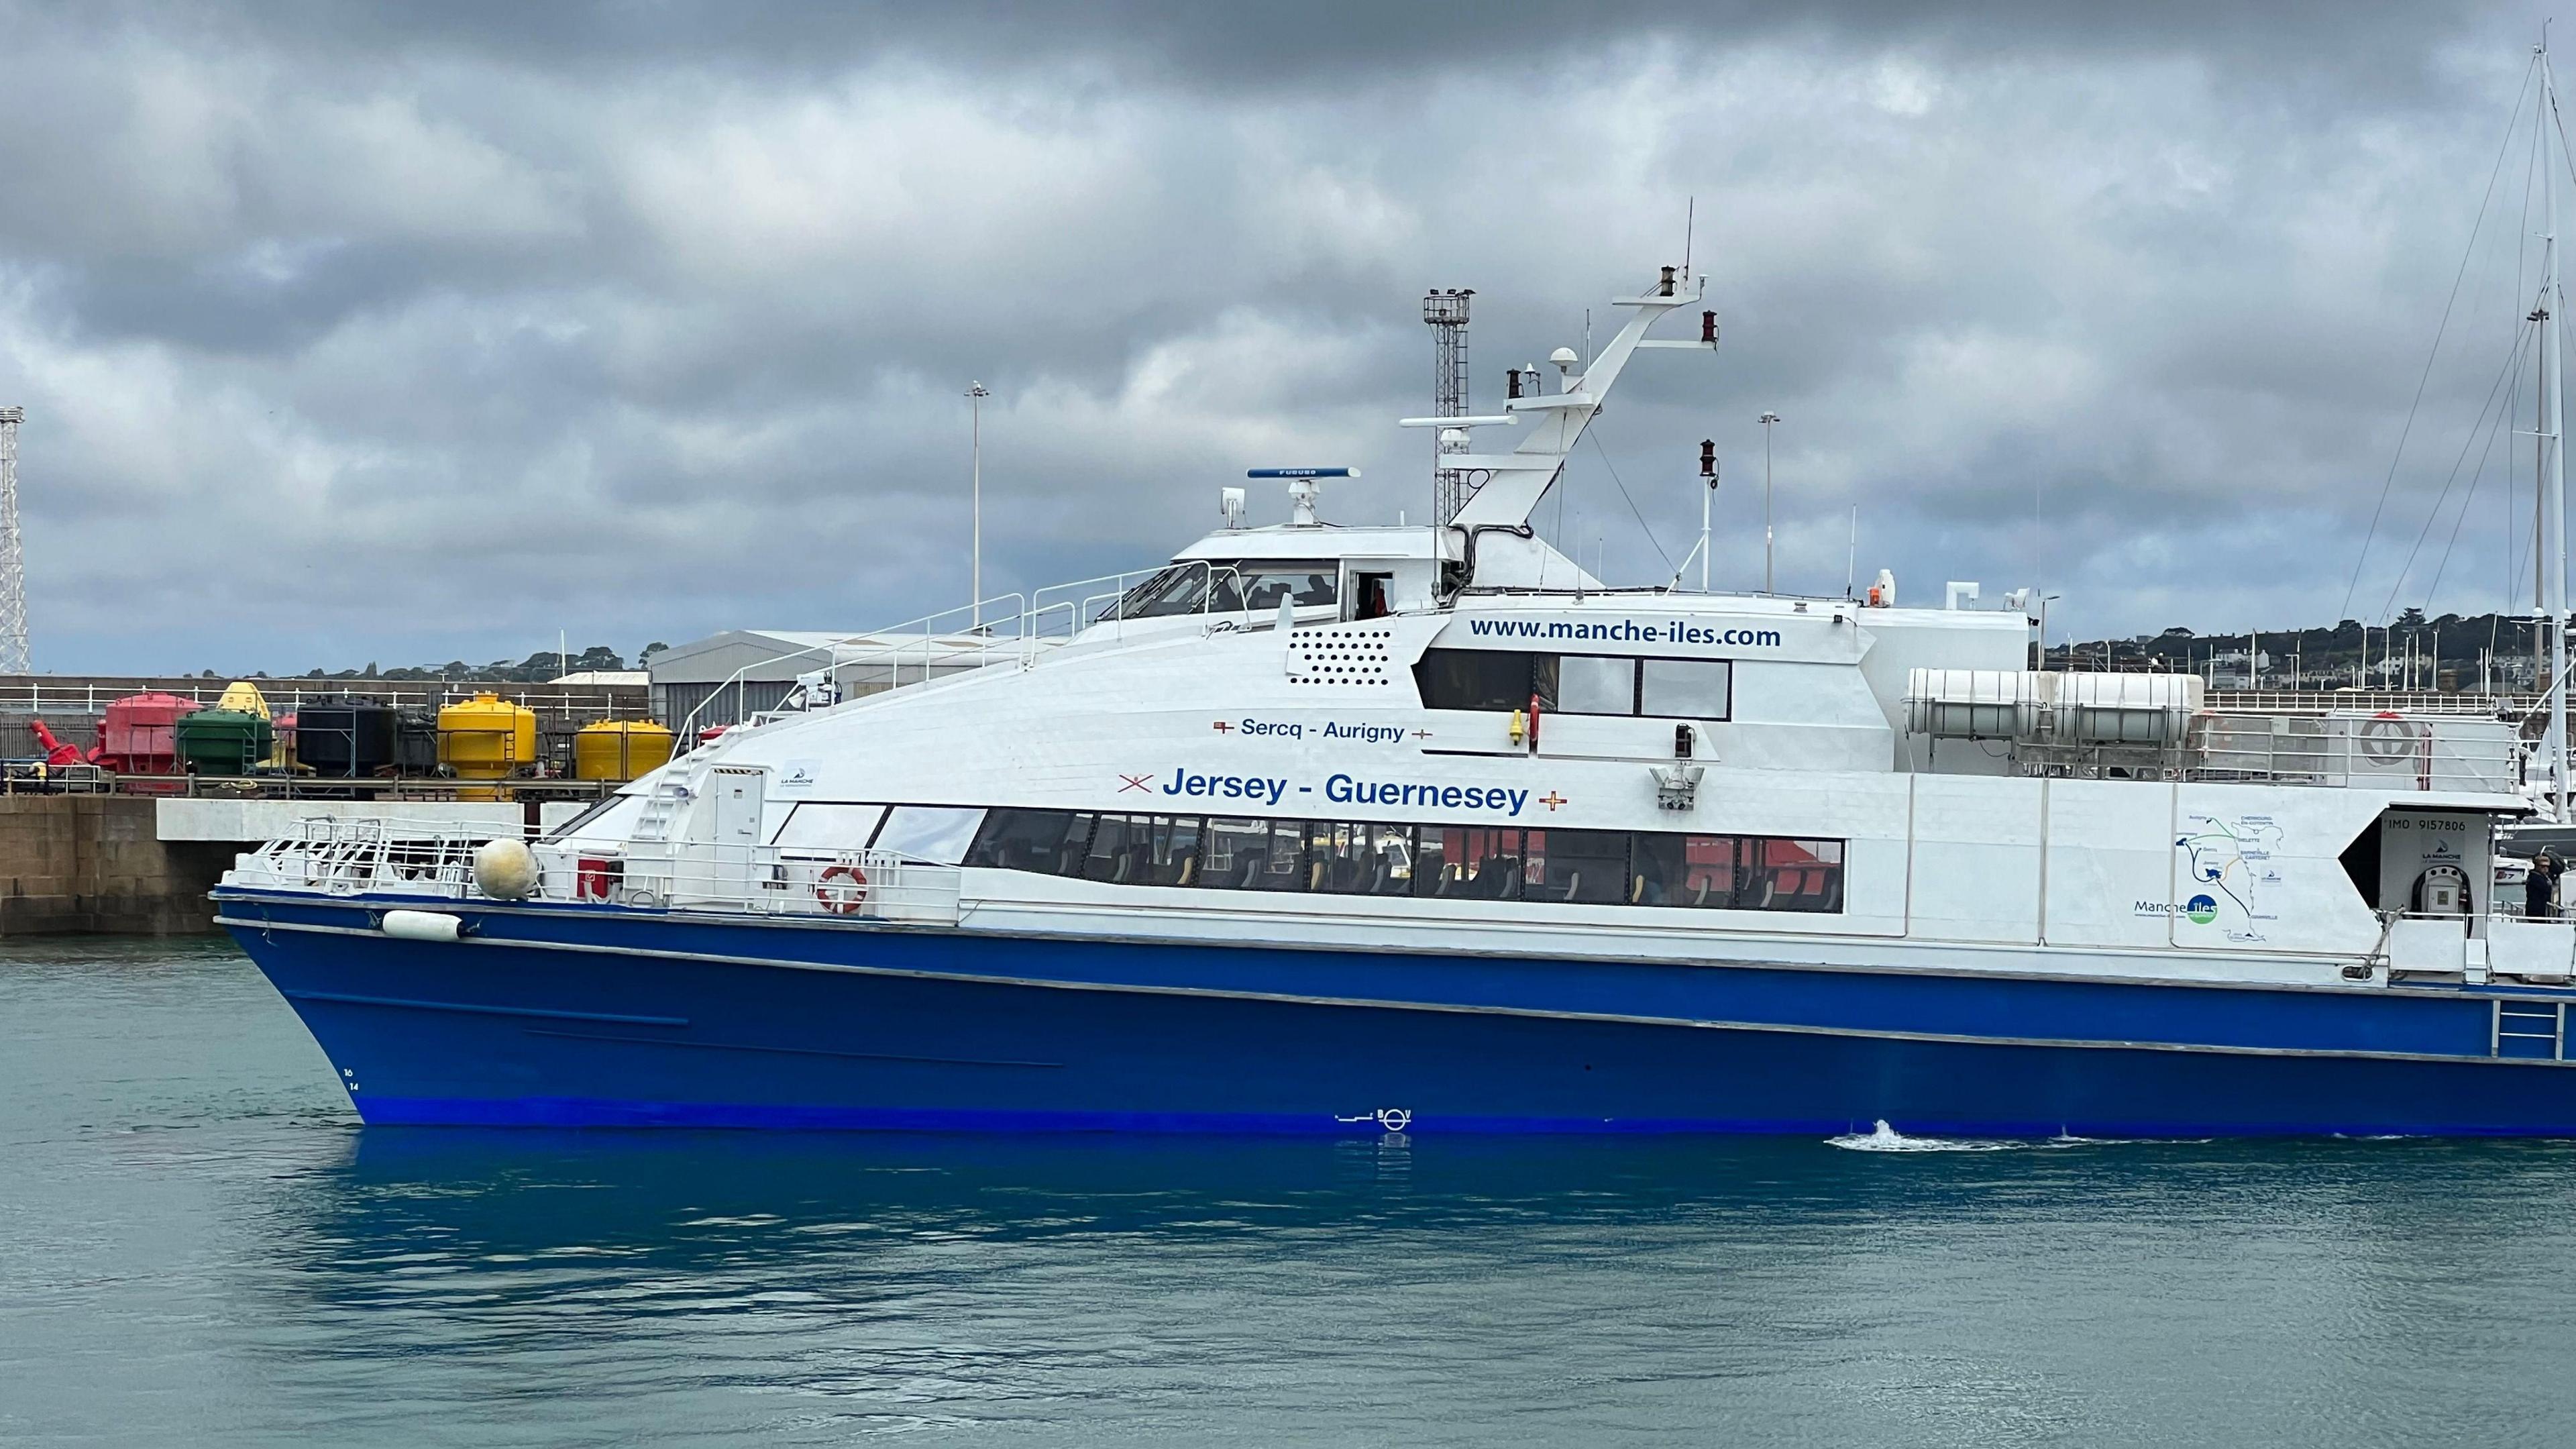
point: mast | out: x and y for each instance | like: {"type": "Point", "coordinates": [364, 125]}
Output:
{"type": "Point", "coordinates": [2553, 557]}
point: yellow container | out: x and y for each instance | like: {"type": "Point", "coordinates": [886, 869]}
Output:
{"type": "Point", "coordinates": [243, 695]}
{"type": "Point", "coordinates": [485, 738]}
{"type": "Point", "coordinates": [619, 749]}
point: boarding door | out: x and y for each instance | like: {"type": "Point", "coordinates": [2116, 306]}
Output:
{"type": "Point", "coordinates": [2430, 862]}
{"type": "Point", "coordinates": [737, 795]}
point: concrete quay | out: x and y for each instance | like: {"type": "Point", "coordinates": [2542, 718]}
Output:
{"type": "Point", "coordinates": [138, 865]}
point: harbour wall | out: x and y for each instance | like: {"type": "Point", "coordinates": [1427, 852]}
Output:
{"type": "Point", "coordinates": [96, 863]}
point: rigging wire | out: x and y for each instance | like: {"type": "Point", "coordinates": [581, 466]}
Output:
{"type": "Point", "coordinates": [1642, 525]}
{"type": "Point", "coordinates": [2511, 369]}
{"type": "Point", "coordinates": [2438, 332]}
{"type": "Point", "coordinates": [2495, 430]}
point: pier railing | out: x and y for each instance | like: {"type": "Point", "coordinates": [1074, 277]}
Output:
{"type": "Point", "coordinates": [578, 704]}
{"type": "Point", "coordinates": [434, 860]}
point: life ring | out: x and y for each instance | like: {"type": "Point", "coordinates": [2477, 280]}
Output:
{"type": "Point", "coordinates": [2388, 738]}
{"type": "Point", "coordinates": [842, 900]}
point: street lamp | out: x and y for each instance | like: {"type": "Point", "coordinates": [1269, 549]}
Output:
{"type": "Point", "coordinates": [1767, 419]}
{"type": "Point", "coordinates": [975, 395]}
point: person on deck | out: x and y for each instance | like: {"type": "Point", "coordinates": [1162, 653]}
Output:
{"type": "Point", "coordinates": [2540, 888]}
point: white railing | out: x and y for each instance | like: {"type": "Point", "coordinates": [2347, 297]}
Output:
{"type": "Point", "coordinates": [2456, 752]}
{"type": "Point", "coordinates": [985, 632]}
{"type": "Point", "coordinates": [768, 880]}
{"type": "Point", "coordinates": [434, 860]}
{"type": "Point", "coordinates": [343, 857]}
{"type": "Point", "coordinates": [953, 643]}
{"type": "Point", "coordinates": [2372, 701]}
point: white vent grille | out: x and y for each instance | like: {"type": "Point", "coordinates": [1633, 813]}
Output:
{"type": "Point", "coordinates": [1341, 654]}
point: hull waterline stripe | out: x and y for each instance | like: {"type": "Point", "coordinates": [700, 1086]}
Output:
{"type": "Point", "coordinates": [1454, 1008]}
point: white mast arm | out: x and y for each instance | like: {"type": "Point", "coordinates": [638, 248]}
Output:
{"type": "Point", "coordinates": [1554, 422]}
{"type": "Point", "coordinates": [2552, 548]}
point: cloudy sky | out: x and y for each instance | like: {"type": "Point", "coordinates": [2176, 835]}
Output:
{"type": "Point", "coordinates": [427, 332]}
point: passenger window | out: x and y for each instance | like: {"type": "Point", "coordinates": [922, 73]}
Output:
{"type": "Point", "coordinates": [1578, 867]}
{"type": "Point", "coordinates": [1590, 684]}
{"type": "Point", "coordinates": [1255, 855]}
{"type": "Point", "coordinates": [1337, 857]}
{"type": "Point", "coordinates": [1430, 861]}
{"type": "Point", "coordinates": [1686, 688]}
{"type": "Point", "coordinates": [1710, 870]}
{"type": "Point", "coordinates": [1391, 860]}
{"type": "Point", "coordinates": [1796, 875]}
{"type": "Point", "coordinates": [1473, 865]}
{"type": "Point", "coordinates": [1113, 853]}
{"type": "Point", "coordinates": [1174, 857]}
{"type": "Point", "coordinates": [1026, 840]}
{"type": "Point", "coordinates": [935, 834]}
{"type": "Point", "coordinates": [821, 825]}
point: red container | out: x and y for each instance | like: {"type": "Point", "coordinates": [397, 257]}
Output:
{"type": "Point", "coordinates": [136, 739]}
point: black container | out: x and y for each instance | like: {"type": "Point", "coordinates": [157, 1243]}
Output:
{"type": "Point", "coordinates": [348, 738]}
{"type": "Point", "coordinates": [415, 742]}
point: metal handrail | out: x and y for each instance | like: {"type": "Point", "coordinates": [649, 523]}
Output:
{"type": "Point", "coordinates": [1026, 623]}
{"type": "Point", "coordinates": [735, 681]}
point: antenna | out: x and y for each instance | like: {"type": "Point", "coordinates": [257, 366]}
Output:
{"type": "Point", "coordinates": [1767, 419]}
{"type": "Point", "coordinates": [1690, 214]}
{"type": "Point", "coordinates": [976, 392]}
{"type": "Point", "coordinates": [1446, 312]}
{"type": "Point", "coordinates": [13, 560]}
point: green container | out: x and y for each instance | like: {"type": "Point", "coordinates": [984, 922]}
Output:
{"type": "Point", "coordinates": [221, 741]}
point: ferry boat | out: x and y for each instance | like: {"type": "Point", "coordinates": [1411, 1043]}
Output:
{"type": "Point", "coordinates": [1426, 829]}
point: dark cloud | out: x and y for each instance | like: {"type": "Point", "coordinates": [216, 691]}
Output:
{"type": "Point", "coordinates": [391, 332]}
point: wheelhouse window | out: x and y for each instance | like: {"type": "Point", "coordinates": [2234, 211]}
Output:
{"type": "Point", "coordinates": [1257, 586]}
{"type": "Point", "coordinates": [1254, 586]}
{"type": "Point", "coordinates": [1180, 589]}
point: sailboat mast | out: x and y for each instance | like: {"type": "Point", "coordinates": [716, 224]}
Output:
{"type": "Point", "coordinates": [2552, 554]}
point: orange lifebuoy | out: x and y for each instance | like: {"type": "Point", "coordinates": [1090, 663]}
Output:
{"type": "Point", "coordinates": [845, 900]}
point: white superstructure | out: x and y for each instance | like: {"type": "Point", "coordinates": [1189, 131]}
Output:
{"type": "Point", "coordinates": [1454, 738]}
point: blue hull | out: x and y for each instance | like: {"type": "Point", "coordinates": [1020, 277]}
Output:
{"type": "Point", "coordinates": [575, 1016]}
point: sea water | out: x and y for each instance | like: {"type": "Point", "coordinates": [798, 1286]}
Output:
{"type": "Point", "coordinates": [199, 1245]}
